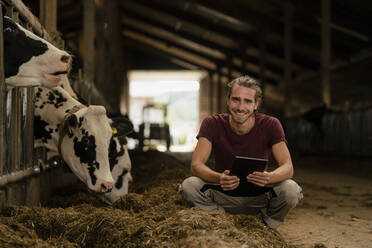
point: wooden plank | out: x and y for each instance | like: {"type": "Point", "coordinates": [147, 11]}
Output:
{"type": "Point", "coordinates": [219, 91]}
{"type": "Point", "coordinates": [89, 36]}
{"type": "Point", "coordinates": [211, 90]}
{"type": "Point", "coordinates": [48, 15]}
{"type": "Point", "coordinates": [326, 51]}
{"type": "Point", "coordinates": [2, 100]}
{"type": "Point", "coordinates": [288, 14]}
{"type": "Point", "coordinates": [109, 55]}
{"type": "Point", "coordinates": [178, 24]}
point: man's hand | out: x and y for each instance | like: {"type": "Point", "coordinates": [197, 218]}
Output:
{"type": "Point", "coordinates": [259, 178]}
{"type": "Point", "coordinates": [228, 182]}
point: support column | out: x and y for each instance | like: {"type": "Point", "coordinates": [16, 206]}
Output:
{"type": "Point", "coordinates": [48, 15]}
{"type": "Point", "coordinates": [326, 51]}
{"type": "Point", "coordinates": [219, 90]}
{"type": "Point", "coordinates": [48, 19]}
{"type": "Point", "coordinates": [211, 91]}
{"type": "Point", "coordinates": [110, 56]}
{"type": "Point", "coordinates": [89, 37]}
{"type": "Point", "coordinates": [262, 46]}
{"type": "Point", "coordinates": [288, 13]}
{"type": "Point", "coordinates": [2, 104]}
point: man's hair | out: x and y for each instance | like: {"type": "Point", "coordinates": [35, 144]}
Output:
{"type": "Point", "coordinates": [248, 82]}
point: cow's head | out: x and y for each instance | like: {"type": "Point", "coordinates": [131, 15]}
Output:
{"type": "Point", "coordinates": [120, 166]}
{"type": "Point", "coordinates": [84, 144]}
{"type": "Point", "coordinates": [30, 60]}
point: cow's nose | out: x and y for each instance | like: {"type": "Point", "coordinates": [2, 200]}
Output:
{"type": "Point", "coordinates": [106, 187]}
{"type": "Point", "coordinates": [65, 59]}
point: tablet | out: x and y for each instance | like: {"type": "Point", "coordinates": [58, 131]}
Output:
{"type": "Point", "coordinates": [243, 166]}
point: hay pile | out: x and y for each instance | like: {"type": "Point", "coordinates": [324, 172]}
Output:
{"type": "Point", "coordinates": [152, 215]}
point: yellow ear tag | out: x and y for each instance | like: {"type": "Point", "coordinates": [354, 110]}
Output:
{"type": "Point", "coordinates": [69, 130]}
{"type": "Point", "coordinates": [114, 130]}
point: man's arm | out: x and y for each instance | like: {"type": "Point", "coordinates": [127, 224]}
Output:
{"type": "Point", "coordinates": [283, 172]}
{"type": "Point", "coordinates": [200, 169]}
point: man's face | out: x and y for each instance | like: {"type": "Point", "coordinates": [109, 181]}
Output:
{"type": "Point", "coordinates": [241, 103]}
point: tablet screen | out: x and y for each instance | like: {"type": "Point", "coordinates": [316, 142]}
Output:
{"type": "Point", "coordinates": [246, 165]}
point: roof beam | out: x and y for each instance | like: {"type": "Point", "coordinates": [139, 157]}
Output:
{"type": "Point", "coordinates": [193, 59]}
{"type": "Point", "coordinates": [181, 26]}
{"type": "Point", "coordinates": [236, 62]}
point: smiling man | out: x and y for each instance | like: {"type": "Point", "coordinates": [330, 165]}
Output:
{"type": "Point", "coordinates": [242, 132]}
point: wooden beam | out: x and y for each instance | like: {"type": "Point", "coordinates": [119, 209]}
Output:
{"type": "Point", "coordinates": [164, 34]}
{"type": "Point", "coordinates": [211, 91]}
{"type": "Point", "coordinates": [171, 50]}
{"type": "Point", "coordinates": [288, 15]}
{"type": "Point", "coordinates": [2, 100]}
{"type": "Point", "coordinates": [184, 64]}
{"type": "Point", "coordinates": [197, 8]}
{"type": "Point", "coordinates": [326, 51]}
{"type": "Point", "coordinates": [198, 37]}
{"type": "Point", "coordinates": [48, 15]}
{"type": "Point", "coordinates": [219, 91]}
{"type": "Point", "coordinates": [210, 53]}
{"type": "Point", "coordinates": [89, 33]}
{"type": "Point", "coordinates": [109, 60]}
{"type": "Point", "coordinates": [178, 24]}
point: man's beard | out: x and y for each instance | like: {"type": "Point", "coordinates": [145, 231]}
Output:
{"type": "Point", "coordinates": [247, 115]}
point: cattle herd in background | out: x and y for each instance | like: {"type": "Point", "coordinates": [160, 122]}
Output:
{"type": "Point", "coordinates": [92, 145]}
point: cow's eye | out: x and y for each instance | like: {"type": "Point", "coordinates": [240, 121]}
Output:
{"type": "Point", "coordinates": [8, 30]}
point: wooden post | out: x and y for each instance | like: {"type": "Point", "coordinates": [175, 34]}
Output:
{"type": "Point", "coordinates": [2, 99]}
{"type": "Point", "coordinates": [89, 36]}
{"type": "Point", "coordinates": [262, 46]}
{"type": "Point", "coordinates": [288, 12]}
{"type": "Point", "coordinates": [219, 89]}
{"type": "Point", "coordinates": [211, 91]}
{"type": "Point", "coordinates": [48, 15]}
{"type": "Point", "coordinates": [244, 59]}
{"type": "Point", "coordinates": [326, 51]}
{"type": "Point", "coordinates": [110, 56]}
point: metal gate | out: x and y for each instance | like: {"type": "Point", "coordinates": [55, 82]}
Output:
{"type": "Point", "coordinates": [339, 134]}
{"type": "Point", "coordinates": [17, 156]}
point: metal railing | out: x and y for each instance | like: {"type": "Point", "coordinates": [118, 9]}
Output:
{"type": "Point", "coordinates": [348, 133]}
{"type": "Point", "coordinates": [17, 156]}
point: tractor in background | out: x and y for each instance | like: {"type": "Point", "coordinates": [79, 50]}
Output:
{"type": "Point", "coordinates": [154, 126]}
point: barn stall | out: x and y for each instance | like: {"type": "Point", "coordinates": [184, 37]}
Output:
{"type": "Point", "coordinates": [307, 54]}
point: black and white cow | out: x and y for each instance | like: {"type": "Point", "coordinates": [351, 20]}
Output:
{"type": "Point", "coordinates": [80, 135]}
{"type": "Point", "coordinates": [120, 163]}
{"type": "Point", "coordinates": [30, 60]}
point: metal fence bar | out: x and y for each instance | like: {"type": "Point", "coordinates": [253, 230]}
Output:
{"type": "Point", "coordinates": [28, 128]}
{"type": "Point", "coordinates": [340, 134]}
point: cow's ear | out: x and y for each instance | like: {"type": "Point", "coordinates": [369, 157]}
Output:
{"type": "Point", "coordinates": [9, 26]}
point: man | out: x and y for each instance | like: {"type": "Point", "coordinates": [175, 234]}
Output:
{"type": "Point", "coordinates": [242, 132]}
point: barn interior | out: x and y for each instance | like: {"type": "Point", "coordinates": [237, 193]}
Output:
{"type": "Point", "coordinates": [312, 58]}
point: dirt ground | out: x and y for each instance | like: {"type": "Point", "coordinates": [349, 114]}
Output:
{"type": "Point", "coordinates": [337, 207]}
{"type": "Point", "coordinates": [336, 212]}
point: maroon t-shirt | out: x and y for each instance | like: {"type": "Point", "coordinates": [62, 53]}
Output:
{"type": "Point", "coordinates": [226, 144]}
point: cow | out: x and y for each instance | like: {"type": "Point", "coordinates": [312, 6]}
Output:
{"type": "Point", "coordinates": [120, 163]}
{"type": "Point", "coordinates": [80, 134]}
{"type": "Point", "coordinates": [119, 160]}
{"type": "Point", "coordinates": [30, 60]}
